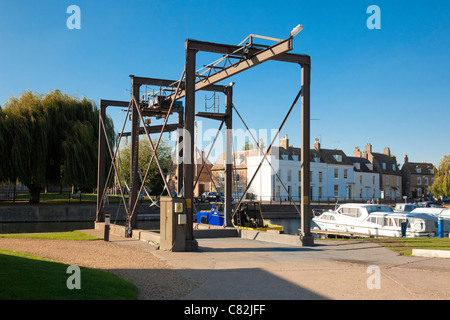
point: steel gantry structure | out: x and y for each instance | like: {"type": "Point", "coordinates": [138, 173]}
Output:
{"type": "Point", "coordinates": [234, 59]}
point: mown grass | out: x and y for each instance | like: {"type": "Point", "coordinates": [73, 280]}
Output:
{"type": "Point", "coordinates": [72, 235]}
{"type": "Point", "coordinates": [404, 246]}
{"type": "Point", "coordinates": [27, 277]}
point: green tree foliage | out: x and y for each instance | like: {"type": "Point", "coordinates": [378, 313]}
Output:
{"type": "Point", "coordinates": [154, 182]}
{"type": "Point", "coordinates": [441, 186]}
{"type": "Point", "coordinates": [50, 139]}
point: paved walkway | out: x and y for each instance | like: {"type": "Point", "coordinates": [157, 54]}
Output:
{"type": "Point", "coordinates": [234, 268]}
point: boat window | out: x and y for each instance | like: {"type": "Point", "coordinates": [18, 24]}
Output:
{"type": "Point", "coordinates": [328, 217]}
{"type": "Point", "coordinates": [377, 220]}
{"type": "Point", "coordinates": [388, 222]}
{"type": "Point", "coordinates": [398, 222]}
{"type": "Point", "coordinates": [351, 212]}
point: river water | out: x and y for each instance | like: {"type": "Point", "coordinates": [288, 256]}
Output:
{"type": "Point", "coordinates": [290, 226]}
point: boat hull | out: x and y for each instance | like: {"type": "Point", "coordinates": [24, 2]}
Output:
{"type": "Point", "coordinates": [370, 231]}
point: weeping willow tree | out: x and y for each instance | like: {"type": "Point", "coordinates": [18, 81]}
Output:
{"type": "Point", "coordinates": [50, 139]}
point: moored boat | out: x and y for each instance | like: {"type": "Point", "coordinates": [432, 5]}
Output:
{"type": "Point", "coordinates": [443, 213]}
{"type": "Point", "coordinates": [248, 217]}
{"type": "Point", "coordinates": [377, 220]}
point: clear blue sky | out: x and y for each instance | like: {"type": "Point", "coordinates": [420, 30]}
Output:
{"type": "Point", "coordinates": [388, 87]}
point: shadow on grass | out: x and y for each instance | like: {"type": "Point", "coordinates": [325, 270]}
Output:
{"type": "Point", "coordinates": [26, 277]}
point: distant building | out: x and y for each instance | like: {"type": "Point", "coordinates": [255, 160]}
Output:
{"type": "Point", "coordinates": [389, 174]}
{"type": "Point", "coordinates": [417, 178]}
{"type": "Point", "coordinates": [331, 173]}
{"type": "Point", "coordinates": [366, 180]}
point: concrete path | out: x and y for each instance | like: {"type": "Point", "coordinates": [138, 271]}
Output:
{"type": "Point", "coordinates": [235, 268]}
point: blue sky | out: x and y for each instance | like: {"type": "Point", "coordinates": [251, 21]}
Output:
{"type": "Point", "coordinates": [387, 87]}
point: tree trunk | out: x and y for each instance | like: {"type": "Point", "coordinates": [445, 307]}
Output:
{"type": "Point", "coordinates": [35, 194]}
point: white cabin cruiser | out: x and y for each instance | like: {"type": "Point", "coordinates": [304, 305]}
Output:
{"type": "Point", "coordinates": [443, 213]}
{"type": "Point", "coordinates": [376, 220]}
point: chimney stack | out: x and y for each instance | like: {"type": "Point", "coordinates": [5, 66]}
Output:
{"type": "Point", "coordinates": [284, 143]}
{"type": "Point", "coordinates": [357, 153]}
{"type": "Point", "coordinates": [317, 145]}
{"type": "Point", "coordinates": [387, 151]}
{"type": "Point", "coordinates": [406, 158]}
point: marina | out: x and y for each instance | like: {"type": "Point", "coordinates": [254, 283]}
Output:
{"type": "Point", "coordinates": [378, 220]}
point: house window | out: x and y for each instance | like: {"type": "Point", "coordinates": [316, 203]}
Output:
{"type": "Point", "coordinates": [398, 180]}
{"type": "Point", "coordinates": [289, 175]}
{"type": "Point", "coordinates": [236, 177]}
{"type": "Point", "coordinates": [299, 176]}
{"type": "Point", "coordinates": [289, 190]}
{"type": "Point", "coordinates": [393, 166]}
{"type": "Point", "coordinates": [336, 173]}
{"type": "Point", "coordinates": [320, 176]}
{"type": "Point", "coordinates": [346, 174]}
{"type": "Point", "coordinates": [419, 181]}
{"type": "Point", "coordinates": [360, 179]}
{"type": "Point", "coordinates": [221, 177]}
{"type": "Point", "coordinates": [387, 180]}
{"type": "Point", "coordinates": [299, 192]}
{"type": "Point", "coordinates": [426, 181]}
{"type": "Point", "coordinates": [383, 165]}
{"type": "Point", "coordinates": [277, 191]}
{"type": "Point", "coordinates": [336, 190]}
{"type": "Point", "coordinates": [320, 192]}
{"type": "Point", "coordinates": [418, 170]}
{"type": "Point", "coordinates": [373, 179]}
{"type": "Point", "coordinates": [310, 176]}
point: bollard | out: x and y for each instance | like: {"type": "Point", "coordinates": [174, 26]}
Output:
{"type": "Point", "coordinates": [403, 228]}
{"type": "Point", "coordinates": [107, 223]}
{"type": "Point", "coordinates": [441, 228]}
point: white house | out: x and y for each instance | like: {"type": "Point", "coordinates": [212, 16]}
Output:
{"type": "Point", "coordinates": [339, 172]}
{"type": "Point", "coordinates": [331, 174]}
{"type": "Point", "coordinates": [267, 186]}
{"type": "Point", "coordinates": [366, 179]}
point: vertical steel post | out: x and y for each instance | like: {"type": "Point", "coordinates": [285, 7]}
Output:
{"type": "Point", "coordinates": [305, 236]}
{"type": "Point", "coordinates": [134, 164]}
{"type": "Point", "coordinates": [180, 155]}
{"type": "Point", "coordinates": [229, 154]}
{"type": "Point", "coordinates": [101, 162]}
{"type": "Point", "coordinates": [188, 150]}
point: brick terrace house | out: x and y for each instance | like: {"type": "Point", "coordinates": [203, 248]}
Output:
{"type": "Point", "coordinates": [417, 178]}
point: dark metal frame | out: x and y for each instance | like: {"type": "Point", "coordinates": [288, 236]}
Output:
{"type": "Point", "coordinates": [247, 56]}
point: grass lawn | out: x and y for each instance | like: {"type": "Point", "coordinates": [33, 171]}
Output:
{"type": "Point", "coordinates": [27, 277]}
{"type": "Point", "coordinates": [73, 235]}
{"type": "Point", "coordinates": [404, 246]}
